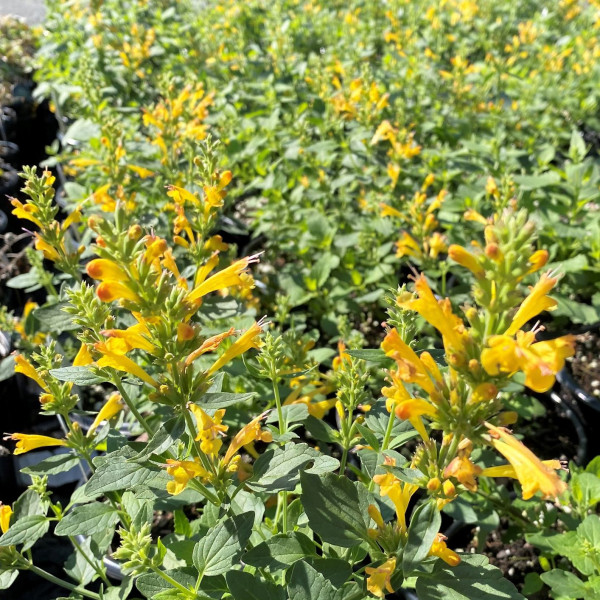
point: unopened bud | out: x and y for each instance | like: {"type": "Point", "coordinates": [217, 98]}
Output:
{"type": "Point", "coordinates": [508, 417]}
{"type": "Point", "coordinates": [449, 489]}
{"type": "Point", "coordinates": [434, 484]}
{"type": "Point", "coordinates": [493, 251]}
{"type": "Point", "coordinates": [474, 366]}
{"type": "Point", "coordinates": [134, 232]}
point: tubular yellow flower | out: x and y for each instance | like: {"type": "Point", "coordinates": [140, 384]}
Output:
{"type": "Point", "coordinates": [537, 260]}
{"type": "Point", "coordinates": [46, 249]}
{"type": "Point", "coordinates": [249, 433]}
{"type": "Point", "coordinates": [438, 314]}
{"type": "Point", "coordinates": [473, 215]}
{"type": "Point", "coordinates": [389, 211]}
{"type": "Point", "coordinates": [83, 357]}
{"type": "Point", "coordinates": [105, 270]}
{"type": "Point", "coordinates": [113, 351]}
{"type": "Point", "coordinates": [112, 407]}
{"type": "Point", "coordinates": [533, 475]}
{"type": "Point", "coordinates": [249, 339]}
{"type": "Point", "coordinates": [132, 337]}
{"type": "Point", "coordinates": [410, 367]}
{"type": "Point", "coordinates": [210, 344]}
{"type": "Point", "coordinates": [539, 361]}
{"type": "Point", "coordinates": [463, 257]}
{"type": "Point", "coordinates": [439, 549]}
{"type": "Point", "coordinates": [26, 442]}
{"type": "Point", "coordinates": [5, 513]}
{"type": "Point", "coordinates": [210, 429]}
{"type": "Point", "coordinates": [536, 302]}
{"type": "Point", "coordinates": [408, 246]}
{"type": "Point", "coordinates": [379, 578]}
{"type": "Point", "coordinates": [182, 471]}
{"type": "Point", "coordinates": [464, 470]}
{"type": "Point", "coordinates": [509, 471]}
{"type": "Point", "coordinates": [108, 291]}
{"type": "Point", "coordinates": [398, 492]}
{"type": "Point", "coordinates": [26, 211]}
{"type": "Point", "coordinates": [228, 277]}
{"type": "Point", "coordinates": [22, 365]}
{"type": "Point", "coordinates": [412, 409]}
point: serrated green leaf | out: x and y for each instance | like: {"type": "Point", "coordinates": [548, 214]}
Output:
{"type": "Point", "coordinates": [87, 519]}
{"type": "Point", "coordinates": [307, 583]}
{"type": "Point", "coordinates": [26, 531]}
{"type": "Point", "coordinates": [279, 469]}
{"type": "Point", "coordinates": [280, 552]}
{"type": "Point", "coordinates": [245, 586]}
{"type": "Point", "coordinates": [424, 525]}
{"type": "Point", "coordinates": [334, 509]}
{"type": "Point", "coordinates": [474, 578]}
{"type": "Point", "coordinates": [223, 545]}
{"type": "Point", "coordinates": [53, 318]}
{"type": "Point", "coordinates": [116, 473]}
{"type": "Point", "coordinates": [7, 578]}
{"type": "Point", "coordinates": [77, 375]}
{"type": "Point", "coordinates": [166, 435]}
{"type": "Point", "coordinates": [564, 583]}
{"type": "Point", "coordinates": [151, 584]}
{"type": "Point", "coordinates": [57, 463]}
{"type": "Point", "coordinates": [216, 400]}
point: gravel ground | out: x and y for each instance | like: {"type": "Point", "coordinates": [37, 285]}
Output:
{"type": "Point", "coordinates": [32, 11]}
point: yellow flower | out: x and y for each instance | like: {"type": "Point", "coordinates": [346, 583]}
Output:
{"type": "Point", "coordinates": [5, 513]}
{"type": "Point", "coordinates": [411, 368]}
{"type": "Point", "coordinates": [466, 259]}
{"type": "Point", "coordinates": [228, 277]}
{"type": "Point", "coordinates": [408, 246]}
{"type": "Point", "coordinates": [439, 314]}
{"type": "Point", "coordinates": [249, 339]}
{"type": "Point", "coordinates": [539, 361]}
{"type": "Point", "coordinates": [26, 442]}
{"type": "Point", "coordinates": [536, 302]}
{"type": "Point", "coordinates": [46, 249]}
{"type": "Point", "coordinates": [209, 345]}
{"type": "Point", "coordinates": [106, 270]}
{"type": "Point", "coordinates": [398, 492]}
{"type": "Point", "coordinates": [210, 429]}
{"type": "Point", "coordinates": [26, 211]}
{"type": "Point", "coordinates": [112, 406]}
{"type": "Point", "coordinates": [473, 215]}
{"type": "Point", "coordinates": [108, 291]}
{"type": "Point", "coordinates": [537, 260]}
{"type": "Point", "coordinates": [113, 355]}
{"type": "Point", "coordinates": [379, 578]}
{"type": "Point", "coordinates": [439, 549]}
{"type": "Point", "coordinates": [464, 470]}
{"type": "Point", "coordinates": [22, 365]}
{"type": "Point", "coordinates": [249, 433]}
{"type": "Point", "coordinates": [533, 475]}
{"type": "Point", "coordinates": [83, 357]}
{"type": "Point", "coordinates": [182, 471]}
{"type": "Point", "coordinates": [133, 337]}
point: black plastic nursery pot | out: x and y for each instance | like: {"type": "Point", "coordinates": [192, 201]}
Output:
{"type": "Point", "coordinates": [9, 181]}
{"type": "Point", "coordinates": [8, 123]}
{"type": "Point", "coordinates": [9, 153]}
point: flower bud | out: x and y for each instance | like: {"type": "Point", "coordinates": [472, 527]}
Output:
{"type": "Point", "coordinates": [449, 489]}
{"type": "Point", "coordinates": [134, 232]}
{"type": "Point", "coordinates": [434, 484]}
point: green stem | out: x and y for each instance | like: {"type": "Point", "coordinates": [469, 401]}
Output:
{"type": "Point", "coordinates": [63, 583]}
{"type": "Point", "coordinates": [388, 431]}
{"type": "Point", "coordinates": [132, 407]}
{"type": "Point", "coordinates": [200, 487]}
{"type": "Point", "coordinates": [283, 497]}
{"type": "Point", "coordinates": [89, 561]}
{"type": "Point", "coordinates": [174, 583]}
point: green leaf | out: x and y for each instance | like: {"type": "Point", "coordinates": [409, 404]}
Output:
{"type": "Point", "coordinates": [280, 552]}
{"type": "Point", "coordinates": [151, 584]}
{"type": "Point", "coordinates": [564, 583]}
{"type": "Point", "coordinates": [374, 355]}
{"type": "Point", "coordinates": [78, 567]}
{"type": "Point", "coordinates": [88, 519]}
{"type": "Point", "coordinates": [26, 531]}
{"type": "Point", "coordinates": [575, 311]}
{"type": "Point", "coordinates": [25, 280]}
{"type": "Point", "coordinates": [279, 469]}
{"type": "Point", "coordinates": [7, 367]}
{"type": "Point", "coordinates": [534, 182]}
{"type": "Point", "coordinates": [223, 545]}
{"type": "Point", "coordinates": [333, 507]}
{"type": "Point", "coordinates": [245, 586]}
{"type": "Point", "coordinates": [218, 400]}
{"type": "Point", "coordinates": [336, 570]}
{"type": "Point", "coordinates": [77, 375]}
{"type": "Point", "coordinates": [473, 579]}
{"type": "Point", "coordinates": [307, 583]}
{"type": "Point", "coordinates": [320, 430]}
{"type": "Point", "coordinates": [7, 578]}
{"type": "Point", "coordinates": [585, 489]}
{"type": "Point", "coordinates": [57, 463]}
{"type": "Point", "coordinates": [424, 525]}
{"type": "Point", "coordinates": [115, 473]}
{"type": "Point", "coordinates": [53, 318]}
{"type": "Point", "coordinates": [163, 439]}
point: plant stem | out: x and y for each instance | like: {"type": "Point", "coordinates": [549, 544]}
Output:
{"type": "Point", "coordinates": [63, 583]}
{"type": "Point", "coordinates": [89, 561]}
{"type": "Point", "coordinates": [282, 430]}
{"type": "Point", "coordinates": [388, 431]}
{"type": "Point", "coordinates": [132, 407]}
{"type": "Point", "coordinates": [174, 583]}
